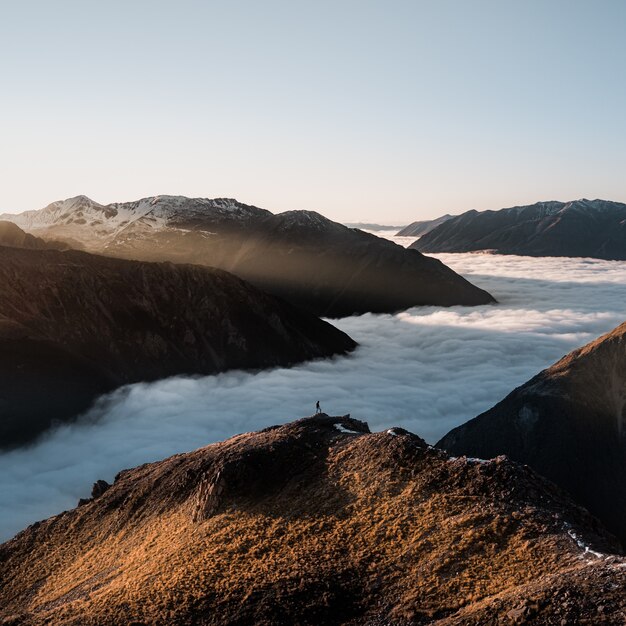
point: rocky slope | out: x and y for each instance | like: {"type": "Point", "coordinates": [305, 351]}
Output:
{"type": "Point", "coordinates": [569, 424]}
{"type": "Point", "coordinates": [74, 325]}
{"type": "Point", "coordinates": [583, 228]}
{"type": "Point", "coordinates": [419, 229]}
{"type": "Point", "coordinates": [300, 256]}
{"type": "Point", "coordinates": [13, 236]}
{"type": "Point", "coordinates": [316, 522]}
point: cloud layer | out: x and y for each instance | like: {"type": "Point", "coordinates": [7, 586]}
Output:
{"type": "Point", "coordinates": [426, 369]}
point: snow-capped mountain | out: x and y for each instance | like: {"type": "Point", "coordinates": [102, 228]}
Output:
{"type": "Point", "coordinates": [580, 228]}
{"type": "Point", "coordinates": [84, 220]}
{"type": "Point", "coordinates": [301, 256]}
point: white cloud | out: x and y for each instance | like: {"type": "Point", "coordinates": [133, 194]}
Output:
{"type": "Point", "coordinates": [426, 370]}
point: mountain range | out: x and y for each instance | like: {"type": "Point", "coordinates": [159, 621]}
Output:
{"type": "Point", "coordinates": [581, 228]}
{"type": "Point", "coordinates": [316, 522]}
{"type": "Point", "coordinates": [301, 256]}
{"type": "Point", "coordinates": [569, 424]}
{"type": "Point", "coordinates": [74, 325]}
{"type": "Point", "coordinates": [419, 229]}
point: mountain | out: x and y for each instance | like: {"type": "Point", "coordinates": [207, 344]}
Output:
{"type": "Point", "coordinates": [582, 228]}
{"type": "Point", "coordinates": [316, 522]}
{"type": "Point", "coordinates": [371, 226]}
{"type": "Point", "coordinates": [419, 229]}
{"type": "Point", "coordinates": [75, 325]}
{"type": "Point", "coordinates": [569, 424]}
{"type": "Point", "coordinates": [301, 256]}
{"type": "Point", "coordinates": [13, 236]}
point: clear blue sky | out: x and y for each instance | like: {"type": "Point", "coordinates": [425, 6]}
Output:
{"type": "Point", "coordinates": [386, 110]}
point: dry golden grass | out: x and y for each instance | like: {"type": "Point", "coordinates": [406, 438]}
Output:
{"type": "Point", "coordinates": [310, 527]}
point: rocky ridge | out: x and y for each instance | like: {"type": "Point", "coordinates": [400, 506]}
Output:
{"type": "Point", "coordinates": [569, 424]}
{"type": "Point", "coordinates": [317, 521]}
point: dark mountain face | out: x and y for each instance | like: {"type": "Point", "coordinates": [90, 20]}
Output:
{"type": "Point", "coordinates": [316, 522]}
{"type": "Point", "coordinates": [300, 256]}
{"type": "Point", "coordinates": [569, 424]}
{"type": "Point", "coordinates": [419, 229]}
{"type": "Point", "coordinates": [584, 228]}
{"type": "Point", "coordinates": [74, 325]}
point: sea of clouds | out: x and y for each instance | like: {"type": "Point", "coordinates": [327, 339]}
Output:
{"type": "Point", "coordinates": [425, 369]}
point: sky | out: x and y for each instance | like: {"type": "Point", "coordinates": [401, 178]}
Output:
{"type": "Point", "coordinates": [387, 111]}
{"type": "Point", "coordinates": [426, 369]}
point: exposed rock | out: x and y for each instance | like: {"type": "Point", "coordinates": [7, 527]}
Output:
{"type": "Point", "coordinates": [99, 487]}
{"type": "Point", "coordinates": [316, 522]}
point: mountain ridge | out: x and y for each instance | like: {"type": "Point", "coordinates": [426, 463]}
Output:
{"type": "Point", "coordinates": [74, 325]}
{"type": "Point", "coordinates": [302, 257]}
{"type": "Point", "coordinates": [578, 228]}
{"type": "Point", "coordinates": [316, 521]}
{"type": "Point", "coordinates": [569, 423]}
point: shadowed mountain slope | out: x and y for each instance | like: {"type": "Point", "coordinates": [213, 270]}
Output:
{"type": "Point", "coordinates": [419, 229]}
{"type": "Point", "coordinates": [569, 424]}
{"type": "Point", "coordinates": [13, 236]}
{"type": "Point", "coordinates": [301, 256]}
{"type": "Point", "coordinates": [316, 522]}
{"type": "Point", "coordinates": [582, 228]}
{"type": "Point", "coordinates": [74, 325]}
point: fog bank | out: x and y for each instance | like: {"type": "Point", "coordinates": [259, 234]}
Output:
{"type": "Point", "coordinates": [425, 369]}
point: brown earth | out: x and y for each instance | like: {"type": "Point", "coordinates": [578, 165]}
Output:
{"type": "Point", "coordinates": [308, 524]}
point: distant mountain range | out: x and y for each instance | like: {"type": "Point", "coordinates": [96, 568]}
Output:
{"type": "Point", "coordinates": [316, 522]}
{"type": "Point", "coordinates": [582, 228]}
{"type": "Point", "coordinates": [569, 424]}
{"type": "Point", "coordinates": [301, 256]}
{"type": "Point", "coordinates": [371, 226]}
{"type": "Point", "coordinates": [418, 229]}
{"type": "Point", "coordinates": [74, 325]}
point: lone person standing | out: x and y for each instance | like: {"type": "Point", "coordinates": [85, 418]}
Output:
{"type": "Point", "coordinates": [318, 410]}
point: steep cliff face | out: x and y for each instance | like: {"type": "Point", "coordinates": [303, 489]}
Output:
{"type": "Point", "coordinates": [582, 228]}
{"type": "Point", "coordinates": [317, 521]}
{"type": "Point", "coordinates": [74, 325]}
{"type": "Point", "coordinates": [300, 256]}
{"type": "Point", "coordinates": [568, 423]}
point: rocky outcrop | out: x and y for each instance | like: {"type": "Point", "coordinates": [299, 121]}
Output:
{"type": "Point", "coordinates": [569, 424]}
{"type": "Point", "coordinates": [314, 522]}
{"type": "Point", "coordinates": [582, 228]}
{"type": "Point", "coordinates": [301, 256]}
{"type": "Point", "coordinates": [74, 325]}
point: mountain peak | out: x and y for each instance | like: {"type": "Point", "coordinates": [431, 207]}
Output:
{"type": "Point", "coordinates": [568, 423]}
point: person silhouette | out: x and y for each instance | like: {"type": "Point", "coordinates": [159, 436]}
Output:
{"type": "Point", "coordinates": [317, 408]}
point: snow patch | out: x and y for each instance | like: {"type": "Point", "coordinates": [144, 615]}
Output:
{"type": "Point", "coordinates": [583, 546]}
{"type": "Point", "coordinates": [342, 429]}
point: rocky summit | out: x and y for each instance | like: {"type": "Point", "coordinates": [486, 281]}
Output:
{"type": "Point", "coordinates": [568, 423]}
{"type": "Point", "coordinates": [301, 256]}
{"type": "Point", "coordinates": [75, 325]}
{"type": "Point", "coordinates": [315, 522]}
